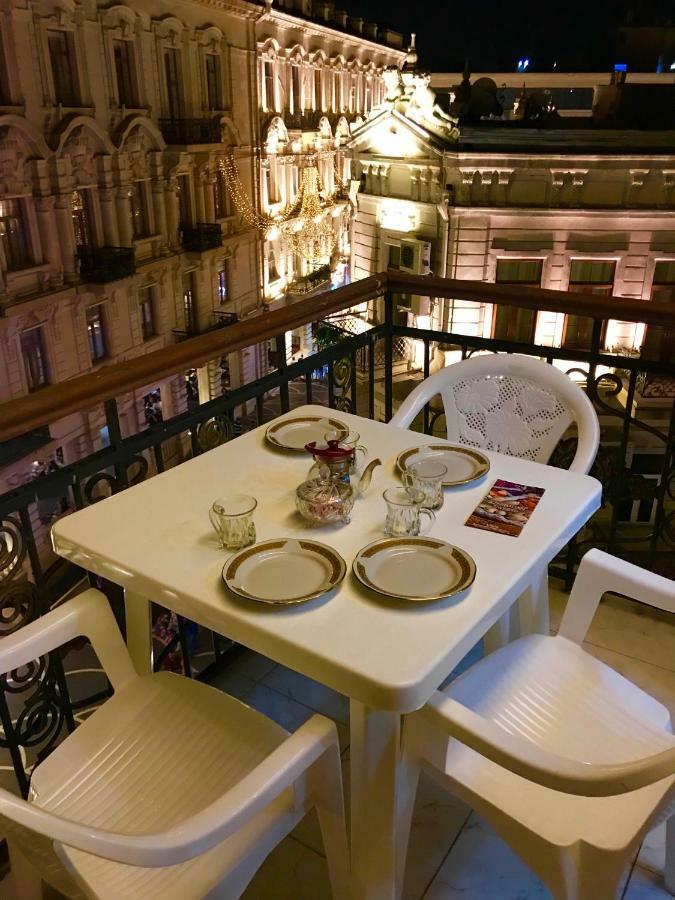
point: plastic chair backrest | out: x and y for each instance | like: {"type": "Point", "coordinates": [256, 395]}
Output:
{"type": "Point", "coordinates": [511, 404]}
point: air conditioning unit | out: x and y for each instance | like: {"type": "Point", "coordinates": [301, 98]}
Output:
{"type": "Point", "coordinates": [416, 260]}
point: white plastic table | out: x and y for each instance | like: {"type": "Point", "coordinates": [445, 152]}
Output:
{"type": "Point", "coordinates": [155, 541]}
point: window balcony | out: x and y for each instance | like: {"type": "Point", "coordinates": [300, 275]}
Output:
{"type": "Point", "coordinates": [220, 320]}
{"type": "Point", "coordinates": [104, 264]}
{"type": "Point", "coordinates": [201, 236]}
{"type": "Point", "coordinates": [191, 131]}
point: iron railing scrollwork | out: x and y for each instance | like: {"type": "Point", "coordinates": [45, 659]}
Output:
{"type": "Point", "coordinates": [35, 708]}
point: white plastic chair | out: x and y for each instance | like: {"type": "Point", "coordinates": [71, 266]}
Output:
{"type": "Point", "coordinates": [509, 403]}
{"type": "Point", "coordinates": [569, 762]}
{"type": "Point", "coordinates": [519, 406]}
{"type": "Point", "coordinates": [172, 788]}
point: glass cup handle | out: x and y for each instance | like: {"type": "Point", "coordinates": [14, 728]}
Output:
{"type": "Point", "coordinates": [423, 511]}
{"type": "Point", "coordinates": [216, 523]}
{"type": "Point", "coordinates": [407, 479]}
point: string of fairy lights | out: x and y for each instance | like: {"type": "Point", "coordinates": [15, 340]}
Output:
{"type": "Point", "coordinates": [312, 234]}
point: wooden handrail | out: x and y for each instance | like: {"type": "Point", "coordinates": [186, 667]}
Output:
{"type": "Point", "coordinates": [45, 406]}
{"type": "Point", "coordinates": [596, 306]}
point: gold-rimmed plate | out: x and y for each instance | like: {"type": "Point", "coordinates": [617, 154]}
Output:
{"type": "Point", "coordinates": [420, 569]}
{"type": "Point", "coordinates": [464, 464]}
{"type": "Point", "coordinates": [284, 571]}
{"type": "Point", "coordinates": [294, 432]}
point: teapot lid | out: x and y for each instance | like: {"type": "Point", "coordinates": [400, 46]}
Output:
{"type": "Point", "coordinates": [331, 452]}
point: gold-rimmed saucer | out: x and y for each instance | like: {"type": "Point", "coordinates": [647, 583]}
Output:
{"type": "Point", "coordinates": [284, 571]}
{"type": "Point", "coordinates": [294, 432]}
{"type": "Point", "coordinates": [420, 569]}
{"type": "Point", "coordinates": [464, 464]}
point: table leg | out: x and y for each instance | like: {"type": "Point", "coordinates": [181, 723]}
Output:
{"type": "Point", "coordinates": [533, 605]}
{"type": "Point", "coordinates": [500, 634]}
{"type": "Point", "coordinates": [376, 783]}
{"type": "Point", "coordinates": [669, 874]}
{"type": "Point", "coordinates": [138, 612]}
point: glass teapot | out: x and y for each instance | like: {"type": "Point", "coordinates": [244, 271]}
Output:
{"type": "Point", "coordinates": [338, 460]}
{"type": "Point", "coordinates": [328, 495]}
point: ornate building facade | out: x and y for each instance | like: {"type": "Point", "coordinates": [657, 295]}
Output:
{"type": "Point", "coordinates": [127, 135]}
{"type": "Point", "coordinates": [316, 83]}
{"type": "Point", "coordinates": [556, 207]}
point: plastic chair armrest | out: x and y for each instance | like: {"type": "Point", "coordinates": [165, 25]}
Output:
{"type": "Point", "coordinates": [525, 758]}
{"type": "Point", "coordinates": [599, 573]}
{"type": "Point", "coordinates": [200, 832]}
{"type": "Point", "coordinates": [87, 615]}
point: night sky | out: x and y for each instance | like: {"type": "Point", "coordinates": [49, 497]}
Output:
{"type": "Point", "coordinates": [579, 35]}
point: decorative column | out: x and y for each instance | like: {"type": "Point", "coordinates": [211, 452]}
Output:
{"type": "Point", "coordinates": [578, 181]}
{"type": "Point", "coordinates": [209, 202]}
{"type": "Point", "coordinates": [49, 238]}
{"type": "Point", "coordinates": [668, 185]}
{"type": "Point", "coordinates": [64, 219]}
{"type": "Point", "coordinates": [110, 232]}
{"type": "Point", "coordinates": [486, 177]}
{"type": "Point", "coordinates": [637, 180]}
{"type": "Point", "coordinates": [384, 180]}
{"type": "Point", "coordinates": [415, 186]}
{"type": "Point", "coordinates": [425, 185]}
{"type": "Point", "coordinates": [159, 210]}
{"type": "Point", "coordinates": [124, 217]}
{"type": "Point", "coordinates": [467, 185]}
{"type": "Point", "coordinates": [199, 197]}
{"type": "Point", "coordinates": [557, 184]}
{"type": "Point", "coordinates": [503, 180]}
{"type": "Point", "coordinates": [172, 213]}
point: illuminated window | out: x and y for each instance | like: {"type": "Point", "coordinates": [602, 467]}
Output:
{"type": "Point", "coordinates": [222, 283]}
{"type": "Point", "coordinates": [62, 60]}
{"type": "Point", "coordinates": [268, 84]}
{"type": "Point", "coordinates": [4, 80]}
{"type": "Point", "coordinates": [590, 276]}
{"type": "Point", "coordinates": [14, 235]}
{"type": "Point", "coordinates": [296, 99]}
{"type": "Point", "coordinates": [147, 314]}
{"type": "Point", "coordinates": [214, 93]}
{"type": "Point", "coordinates": [272, 265]}
{"type": "Point", "coordinates": [80, 211]}
{"type": "Point", "coordinates": [174, 83]}
{"type": "Point", "coordinates": [510, 323]}
{"type": "Point", "coordinates": [123, 52]}
{"type": "Point", "coordinates": [318, 94]}
{"type": "Point", "coordinates": [34, 358]}
{"type": "Point", "coordinates": [184, 206]}
{"type": "Point", "coordinates": [189, 308]}
{"type": "Point", "coordinates": [96, 333]}
{"type": "Point", "coordinates": [139, 210]}
{"type": "Point", "coordinates": [221, 197]}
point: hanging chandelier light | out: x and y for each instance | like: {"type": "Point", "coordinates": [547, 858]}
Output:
{"type": "Point", "coordinates": [306, 223]}
{"type": "Point", "coordinates": [312, 235]}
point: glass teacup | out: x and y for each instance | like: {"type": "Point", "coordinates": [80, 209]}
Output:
{"type": "Point", "coordinates": [405, 512]}
{"type": "Point", "coordinates": [426, 475]}
{"type": "Point", "coordinates": [232, 520]}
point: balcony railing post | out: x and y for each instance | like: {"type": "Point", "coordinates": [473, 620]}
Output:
{"type": "Point", "coordinates": [282, 366]}
{"type": "Point", "coordinates": [115, 437]}
{"type": "Point", "coordinates": [425, 414]}
{"type": "Point", "coordinates": [388, 355]}
{"type": "Point", "coordinates": [667, 475]}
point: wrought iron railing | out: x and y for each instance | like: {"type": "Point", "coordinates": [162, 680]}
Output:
{"type": "Point", "coordinates": [357, 370]}
{"type": "Point", "coordinates": [104, 264]}
{"type": "Point", "coordinates": [201, 236]}
{"type": "Point", "coordinates": [191, 131]}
